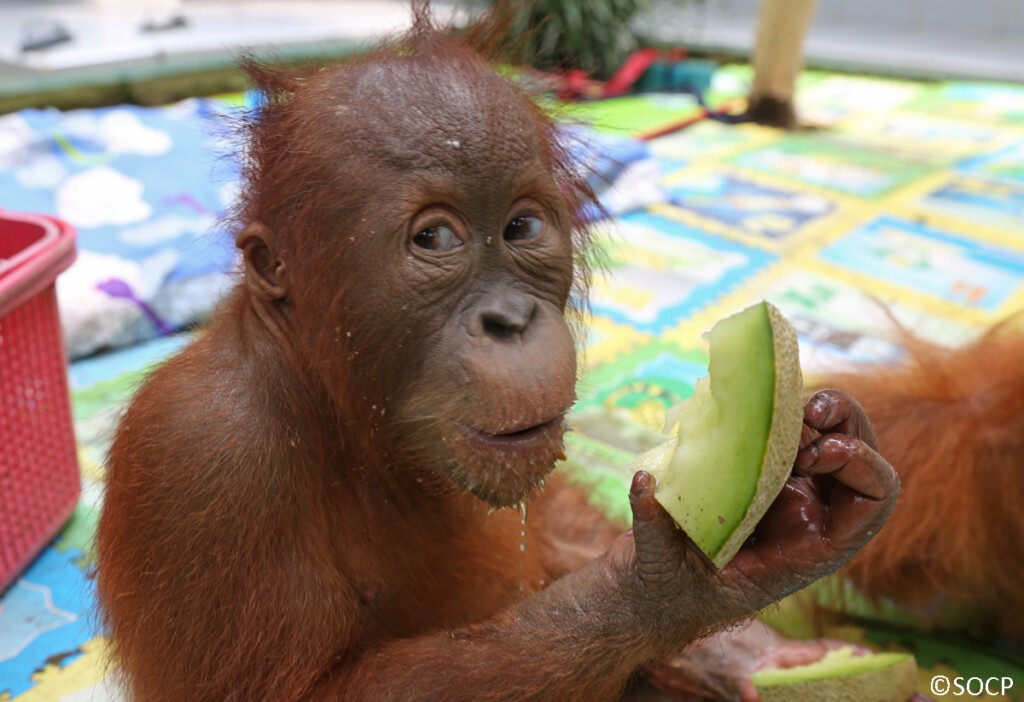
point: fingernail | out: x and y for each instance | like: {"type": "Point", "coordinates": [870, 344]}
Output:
{"type": "Point", "coordinates": [641, 482]}
{"type": "Point", "coordinates": [806, 457]}
{"type": "Point", "coordinates": [818, 407]}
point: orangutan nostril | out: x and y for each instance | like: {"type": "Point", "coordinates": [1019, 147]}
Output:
{"type": "Point", "coordinates": [506, 314]}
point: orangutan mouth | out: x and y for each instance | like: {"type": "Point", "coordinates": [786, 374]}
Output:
{"type": "Point", "coordinates": [518, 438]}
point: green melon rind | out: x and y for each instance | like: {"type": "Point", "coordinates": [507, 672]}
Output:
{"type": "Point", "coordinates": [880, 677]}
{"type": "Point", "coordinates": [783, 437]}
{"type": "Point", "coordinates": [782, 442]}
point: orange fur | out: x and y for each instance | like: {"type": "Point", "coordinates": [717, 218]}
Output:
{"type": "Point", "coordinates": [952, 424]}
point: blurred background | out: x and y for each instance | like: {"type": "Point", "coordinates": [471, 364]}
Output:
{"type": "Point", "coordinates": [91, 49]}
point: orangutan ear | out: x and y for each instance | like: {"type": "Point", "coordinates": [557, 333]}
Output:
{"type": "Point", "coordinates": [265, 274]}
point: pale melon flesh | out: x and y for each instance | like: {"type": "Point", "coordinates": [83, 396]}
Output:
{"type": "Point", "coordinates": [736, 437]}
{"type": "Point", "coordinates": [841, 676]}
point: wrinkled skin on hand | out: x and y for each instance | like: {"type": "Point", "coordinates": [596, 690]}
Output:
{"type": "Point", "coordinates": [840, 494]}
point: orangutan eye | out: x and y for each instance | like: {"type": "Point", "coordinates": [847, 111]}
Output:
{"type": "Point", "coordinates": [439, 238]}
{"type": "Point", "coordinates": [524, 228]}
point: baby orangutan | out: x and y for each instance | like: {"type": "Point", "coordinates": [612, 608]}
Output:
{"type": "Point", "coordinates": [317, 499]}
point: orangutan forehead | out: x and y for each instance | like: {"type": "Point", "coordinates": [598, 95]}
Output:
{"type": "Point", "coordinates": [431, 114]}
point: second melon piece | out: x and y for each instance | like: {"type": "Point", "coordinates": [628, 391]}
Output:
{"type": "Point", "coordinates": [841, 676]}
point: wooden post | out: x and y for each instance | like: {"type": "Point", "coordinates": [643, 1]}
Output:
{"type": "Point", "coordinates": [778, 58]}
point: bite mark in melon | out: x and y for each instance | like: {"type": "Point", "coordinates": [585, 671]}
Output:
{"type": "Point", "coordinates": [736, 437]}
{"type": "Point", "coordinates": [841, 676]}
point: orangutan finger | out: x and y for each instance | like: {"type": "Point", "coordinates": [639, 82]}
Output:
{"type": "Point", "coordinates": [853, 519]}
{"type": "Point", "coordinates": [832, 411]}
{"type": "Point", "coordinates": [851, 462]}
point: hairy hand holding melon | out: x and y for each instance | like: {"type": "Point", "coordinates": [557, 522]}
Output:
{"type": "Point", "coordinates": [736, 437]}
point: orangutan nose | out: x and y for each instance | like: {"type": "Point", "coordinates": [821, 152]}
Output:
{"type": "Point", "coordinates": [504, 314]}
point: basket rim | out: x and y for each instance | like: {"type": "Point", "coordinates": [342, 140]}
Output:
{"type": "Point", "coordinates": [35, 267]}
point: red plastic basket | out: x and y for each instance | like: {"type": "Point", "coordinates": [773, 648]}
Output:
{"type": "Point", "coordinates": [39, 479]}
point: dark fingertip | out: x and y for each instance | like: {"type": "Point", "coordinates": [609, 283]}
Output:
{"type": "Point", "coordinates": [806, 457]}
{"type": "Point", "coordinates": [818, 407]}
{"type": "Point", "coordinates": [643, 482]}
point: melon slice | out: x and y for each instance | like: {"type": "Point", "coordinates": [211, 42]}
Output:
{"type": "Point", "coordinates": [841, 676]}
{"type": "Point", "coordinates": [736, 437]}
